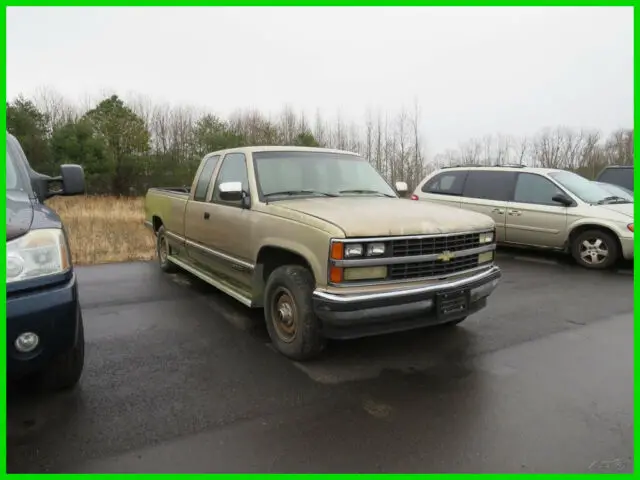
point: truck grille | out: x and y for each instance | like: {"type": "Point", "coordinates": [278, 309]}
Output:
{"type": "Point", "coordinates": [431, 245]}
{"type": "Point", "coordinates": [433, 268]}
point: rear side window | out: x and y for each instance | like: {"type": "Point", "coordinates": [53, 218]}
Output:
{"type": "Point", "coordinates": [618, 176]}
{"type": "Point", "coordinates": [490, 185]}
{"type": "Point", "coordinates": [446, 183]}
{"type": "Point", "coordinates": [200, 195]}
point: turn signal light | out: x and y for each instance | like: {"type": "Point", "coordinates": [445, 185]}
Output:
{"type": "Point", "coordinates": [630, 227]}
{"type": "Point", "coordinates": [335, 274]}
{"type": "Point", "coordinates": [337, 251]}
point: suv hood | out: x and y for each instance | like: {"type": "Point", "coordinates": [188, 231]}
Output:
{"type": "Point", "coordinates": [625, 209]}
{"type": "Point", "coordinates": [19, 214]}
{"type": "Point", "coordinates": [378, 216]}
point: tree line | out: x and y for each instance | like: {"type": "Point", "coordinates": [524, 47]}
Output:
{"type": "Point", "coordinates": [127, 146]}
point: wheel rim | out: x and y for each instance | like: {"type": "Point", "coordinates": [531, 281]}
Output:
{"type": "Point", "coordinates": [285, 315]}
{"type": "Point", "coordinates": [163, 249]}
{"type": "Point", "coordinates": [594, 251]}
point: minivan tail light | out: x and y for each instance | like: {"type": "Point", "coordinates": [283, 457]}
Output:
{"type": "Point", "coordinates": [414, 197]}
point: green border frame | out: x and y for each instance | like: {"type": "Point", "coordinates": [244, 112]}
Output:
{"type": "Point", "coordinates": [267, 3]}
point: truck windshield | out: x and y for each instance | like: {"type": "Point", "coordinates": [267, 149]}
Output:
{"type": "Point", "coordinates": [15, 180]}
{"type": "Point", "coordinates": [285, 174]}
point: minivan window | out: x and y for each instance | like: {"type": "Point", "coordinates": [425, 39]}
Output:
{"type": "Point", "coordinates": [446, 183]}
{"type": "Point", "coordinates": [532, 188]}
{"type": "Point", "coordinates": [585, 190]}
{"type": "Point", "coordinates": [489, 185]}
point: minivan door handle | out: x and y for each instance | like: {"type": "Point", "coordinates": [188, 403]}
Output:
{"type": "Point", "coordinates": [206, 215]}
{"type": "Point", "coordinates": [498, 210]}
{"type": "Point", "coordinates": [515, 213]}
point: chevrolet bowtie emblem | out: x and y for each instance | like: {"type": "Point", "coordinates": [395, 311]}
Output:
{"type": "Point", "coordinates": [445, 256]}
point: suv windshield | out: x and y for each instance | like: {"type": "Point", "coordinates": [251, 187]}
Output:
{"type": "Point", "coordinates": [310, 174]}
{"type": "Point", "coordinates": [586, 190]}
{"type": "Point", "coordinates": [15, 177]}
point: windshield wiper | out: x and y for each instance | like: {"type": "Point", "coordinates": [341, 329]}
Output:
{"type": "Point", "coordinates": [366, 192]}
{"type": "Point", "coordinates": [299, 192]}
{"type": "Point", "coordinates": [612, 199]}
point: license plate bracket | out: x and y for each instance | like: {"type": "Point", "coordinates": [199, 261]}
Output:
{"type": "Point", "coordinates": [452, 304]}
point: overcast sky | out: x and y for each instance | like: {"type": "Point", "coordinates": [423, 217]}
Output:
{"type": "Point", "coordinates": [474, 71]}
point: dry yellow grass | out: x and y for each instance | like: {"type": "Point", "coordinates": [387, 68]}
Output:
{"type": "Point", "coordinates": [105, 229]}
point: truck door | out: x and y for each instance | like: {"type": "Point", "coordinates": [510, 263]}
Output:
{"type": "Point", "coordinates": [197, 209]}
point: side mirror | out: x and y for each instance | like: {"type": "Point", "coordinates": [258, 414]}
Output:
{"type": "Point", "coordinates": [563, 199]}
{"type": "Point", "coordinates": [402, 187]}
{"type": "Point", "coordinates": [72, 179]}
{"type": "Point", "coordinates": [231, 191]}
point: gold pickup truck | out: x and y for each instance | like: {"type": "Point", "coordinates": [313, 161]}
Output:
{"type": "Point", "coordinates": [321, 242]}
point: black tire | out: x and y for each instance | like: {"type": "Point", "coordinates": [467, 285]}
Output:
{"type": "Point", "coordinates": [66, 370]}
{"type": "Point", "coordinates": [298, 336]}
{"type": "Point", "coordinates": [162, 251]}
{"type": "Point", "coordinates": [607, 243]}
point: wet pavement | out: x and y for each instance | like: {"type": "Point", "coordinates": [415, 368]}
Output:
{"type": "Point", "coordinates": [180, 378]}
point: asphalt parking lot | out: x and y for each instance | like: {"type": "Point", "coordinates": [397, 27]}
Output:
{"type": "Point", "coordinates": [180, 378]}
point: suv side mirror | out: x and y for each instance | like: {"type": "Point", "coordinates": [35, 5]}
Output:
{"type": "Point", "coordinates": [71, 177]}
{"type": "Point", "coordinates": [563, 199]}
{"type": "Point", "coordinates": [402, 187]}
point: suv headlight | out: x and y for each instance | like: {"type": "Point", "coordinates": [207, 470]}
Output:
{"type": "Point", "coordinates": [37, 254]}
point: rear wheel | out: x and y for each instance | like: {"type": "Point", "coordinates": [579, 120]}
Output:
{"type": "Point", "coordinates": [291, 322]}
{"type": "Point", "coordinates": [595, 249]}
{"type": "Point", "coordinates": [163, 251]}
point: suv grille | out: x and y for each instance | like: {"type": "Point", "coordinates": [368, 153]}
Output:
{"type": "Point", "coordinates": [432, 245]}
{"type": "Point", "coordinates": [432, 268]}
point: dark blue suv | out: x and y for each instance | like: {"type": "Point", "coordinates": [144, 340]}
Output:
{"type": "Point", "coordinates": [45, 336]}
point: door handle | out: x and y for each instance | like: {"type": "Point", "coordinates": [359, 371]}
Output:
{"type": "Point", "coordinates": [515, 213]}
{"type": "Point", "coordinates": [498, 210]}
{"type": "Point", "coordinates": [206, 215]}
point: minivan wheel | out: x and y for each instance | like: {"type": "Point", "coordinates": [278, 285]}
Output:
{"type": "Point", "coordinates": [162, 250]}
{"type": "Point", "coordinates": [65, 371]}
{"type": "Point", "coordinates": [595, 249]}
{"type": "Point", "coordinates": [292, 324]}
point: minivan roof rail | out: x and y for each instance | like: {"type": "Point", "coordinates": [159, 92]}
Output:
{"type": "Point", "coordinates": [478, 165]}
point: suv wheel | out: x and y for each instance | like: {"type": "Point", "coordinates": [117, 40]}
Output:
{"type": "Point", "coordinates": [595, 249]}
{"type": "Point", "coordinates": [162, 250]}
{"type": "Point", "coordinates": [291, 322]}
{"type": "Point", "coordinates": [65, 371]}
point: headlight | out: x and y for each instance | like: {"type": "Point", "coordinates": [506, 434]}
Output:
{"type": "Point", "coordinates": [374, 249]}
{"type": "Point", "coordinates": [37, 254]}
{"type": "Point", "coordinates": [486, 237]}
{"type": "Point", "coordinates": [353, 250]}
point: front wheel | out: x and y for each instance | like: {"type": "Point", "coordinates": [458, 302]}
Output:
{"type": "Point", "coordinates": [291, 322]}
{"type": "Point", "coordinates": [595, 249]}
{"type": "Point", "coordinates": [66, 370]}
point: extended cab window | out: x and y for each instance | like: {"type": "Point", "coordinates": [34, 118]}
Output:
{"type": "Point", "coordinates": [447, 183]}
{"type": "Point", "coordinates": [233, 169]}
{"type": "Point", "coordinates": [200, 195]}
{"type": "Point", "coordinates": [532, 188]}
{"type": "Point", "coordinates": [489, 185]}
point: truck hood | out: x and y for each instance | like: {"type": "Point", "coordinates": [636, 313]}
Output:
{"type": "Point", "coordinates": [19, 214]}
{"type": "Point", "coordinates": [377, 216]}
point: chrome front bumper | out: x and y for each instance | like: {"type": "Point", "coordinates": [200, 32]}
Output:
{"type": "Point", "coordinates": [357, 315]}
